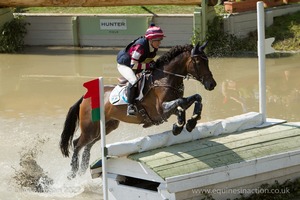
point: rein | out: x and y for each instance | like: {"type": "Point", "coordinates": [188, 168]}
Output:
{"type": "Point", "coordinates": [171, 73]}
{"type": "Point", "coordinates": [188, 76]}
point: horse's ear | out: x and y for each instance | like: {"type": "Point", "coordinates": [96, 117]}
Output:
{"type": "Point", "coordinates": [195, 49]}
{"type": "Point", "coordinates": [203, 46]}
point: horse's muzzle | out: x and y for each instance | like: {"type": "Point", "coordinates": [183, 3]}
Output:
{"type": "Point", "coordinates": [210, 85]}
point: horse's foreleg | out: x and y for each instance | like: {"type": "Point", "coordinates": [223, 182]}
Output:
{"type": "Point", "coordinates": [191, 123]}
{"type": "Point", "coordinates": [177, 127]}
{"type": "Point", "coordinates": [177, 107]}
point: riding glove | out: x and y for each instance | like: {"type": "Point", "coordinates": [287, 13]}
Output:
{"type": "Point", "coordinates": [152, 65]}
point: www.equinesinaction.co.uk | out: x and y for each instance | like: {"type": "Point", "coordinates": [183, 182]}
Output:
{"type": "Point", "coordinates": [241, 191]}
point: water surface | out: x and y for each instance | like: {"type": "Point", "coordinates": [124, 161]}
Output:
{"type": "Point", "coordinates": [38, 86]}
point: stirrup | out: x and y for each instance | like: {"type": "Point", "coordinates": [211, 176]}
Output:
{"type": "Point", "coordinates": [131, 110]}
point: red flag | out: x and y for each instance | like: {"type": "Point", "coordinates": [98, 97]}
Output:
{"type": "Point", "coordinates": [93, 93]}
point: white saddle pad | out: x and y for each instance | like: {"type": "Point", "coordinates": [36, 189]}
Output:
{"type": "Point", "coordinates": [118, 95]}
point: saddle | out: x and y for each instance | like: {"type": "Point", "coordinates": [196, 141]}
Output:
{"type": "Point", "coordinates": [118, 94]}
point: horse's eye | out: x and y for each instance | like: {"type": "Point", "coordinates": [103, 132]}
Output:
{"type": "Point", "coordinates": [197, 59]}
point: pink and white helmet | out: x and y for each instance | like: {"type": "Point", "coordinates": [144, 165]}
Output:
{"type": "Point", "coordinates": [154, 33]}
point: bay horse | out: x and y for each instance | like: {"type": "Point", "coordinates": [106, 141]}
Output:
{"type": "Point", "coordinates": [163, 97]}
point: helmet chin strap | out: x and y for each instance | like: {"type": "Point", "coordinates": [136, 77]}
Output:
{"type": "Point", "coordinates": [151, 45]}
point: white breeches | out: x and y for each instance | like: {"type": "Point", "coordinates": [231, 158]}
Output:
{"type": "Point", "coordinates": [127, 73]}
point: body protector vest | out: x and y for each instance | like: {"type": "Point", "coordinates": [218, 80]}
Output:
{"type": "Point", "coordinates": [124, 56]}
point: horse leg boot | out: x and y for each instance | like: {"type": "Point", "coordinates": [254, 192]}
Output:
{"type": "Point", "coordinates": [191, 123]}
{"type": "Point", "coordinates": [131, 109]}
{"type": "Point", "coordinates": [177, 127]}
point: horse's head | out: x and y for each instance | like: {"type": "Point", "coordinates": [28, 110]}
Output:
{"type": "Point", "coordinates": [199, 68]}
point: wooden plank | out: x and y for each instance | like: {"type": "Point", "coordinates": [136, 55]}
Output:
{"type": "Point", "coordinates": [165, 21]}
{"type": "Point", "coordinates": [230, 141]}
{"type": "Point", "coordinates": [224, 158]}
{"type": "Point", "coordinates": [48, 41]}
{"type": "Point", "coordinates": [261, 169]}
{"type": "Point", "coordinates": [47, 30]}
{"type": "Point", "coordinates": [132, 169]}
{"type": "Point", "coordinates": [106, 40]}
{"type": "Point", "coordinates": [220, 150]}
{"type": "Point", "coordinates": [95, 3]}
{"type": "Point", "coordinates": [49, 34]}
{"type": "Point", "coordinates": [54, 27]}
{"type": "Point", "coordinates": [211, 153]}
{"type": "Point", "coordinates": [48, 19]}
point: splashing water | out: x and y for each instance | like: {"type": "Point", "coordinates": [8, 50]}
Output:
{"type": "Point", "coordinates": [31, 176]}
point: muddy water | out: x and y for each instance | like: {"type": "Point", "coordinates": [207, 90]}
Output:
{"type": "Point", "coordinates": [38, 86]}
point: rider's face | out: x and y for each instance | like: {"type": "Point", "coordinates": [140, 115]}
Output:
{"type": "Point", "coordinates": [155, 43]}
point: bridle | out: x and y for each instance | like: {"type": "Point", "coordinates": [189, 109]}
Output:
{"type": "Point", "coordinates": [201, 78]}
{"type": "Point", "coordinates": [189, 76]}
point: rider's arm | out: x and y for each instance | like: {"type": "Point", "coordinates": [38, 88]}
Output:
{"type": "Point", "coordinates": [136, 52]}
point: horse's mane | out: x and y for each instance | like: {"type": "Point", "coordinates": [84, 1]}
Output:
{"type": "Point", "coordinates": [172, 53]}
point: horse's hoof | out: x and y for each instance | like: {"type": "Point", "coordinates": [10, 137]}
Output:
{"type": "Point", "coordinates": [71, 175]}
{"type": "Point", "coordinates": [190, 125]}
{"type": "Point", "coordinates": [177, 129]}
{"type": "Point", "coordinates": [81, 172]}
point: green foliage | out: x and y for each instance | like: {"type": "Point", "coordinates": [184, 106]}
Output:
{"type": "Point", "coordinates": [221, 43]}
{"type": "Point", "coordinates": [286, 30]}
{"type": "Point", "coordinates": [12, 36]}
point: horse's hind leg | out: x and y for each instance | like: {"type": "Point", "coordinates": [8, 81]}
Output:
{"type": "Point", "coordinates": [74, 161]}
{"type": "Point", "coordinates": [110, 126]}
{"type": "Point", "coordinates": [89, 134]}
{"type": "Point", "coordinates": [86, 157]}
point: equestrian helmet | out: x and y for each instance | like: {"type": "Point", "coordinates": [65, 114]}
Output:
{"type": "Point", "coordinates": [154, 33]}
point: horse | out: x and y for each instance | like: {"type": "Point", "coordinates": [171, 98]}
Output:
{"type": "Point", "coordinates": [163, 96]}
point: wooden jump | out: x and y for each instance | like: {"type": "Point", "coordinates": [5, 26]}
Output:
{"type": "Point", "coordinates": [97, 3]}
{"type": "Point", "coordinates": [236, 160]}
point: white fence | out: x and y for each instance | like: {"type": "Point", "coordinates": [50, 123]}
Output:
{"type": "Point", "coordinates": [67, 30]}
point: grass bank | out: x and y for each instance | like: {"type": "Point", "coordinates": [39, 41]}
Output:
{"type": "Point", "coordinates": [114, 10]}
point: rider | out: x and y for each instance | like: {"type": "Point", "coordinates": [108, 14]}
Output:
{"type": "Point", "coordinates": [136, 56]}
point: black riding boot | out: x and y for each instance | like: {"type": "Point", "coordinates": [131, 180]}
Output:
{"type": "Point", "coordinates": [131, 109]}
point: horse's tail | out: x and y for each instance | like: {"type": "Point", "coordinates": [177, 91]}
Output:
{"type": "Point", "coordinates": [70, 127]}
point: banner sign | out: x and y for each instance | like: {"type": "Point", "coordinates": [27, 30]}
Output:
{"type": "Point", "coordinates": [113, 24]}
